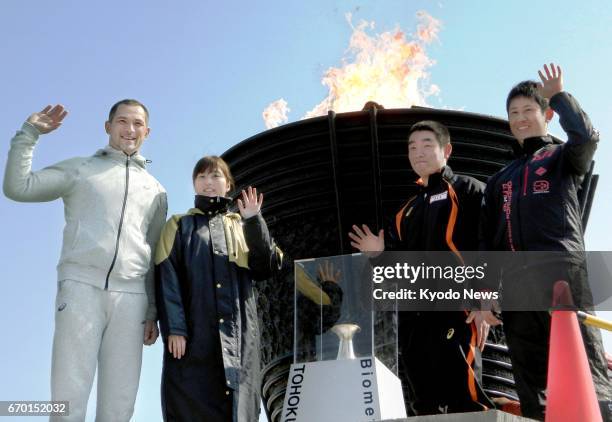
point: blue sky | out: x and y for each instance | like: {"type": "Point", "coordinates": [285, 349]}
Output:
{"type": "Point", "coordinates": [206, 70]}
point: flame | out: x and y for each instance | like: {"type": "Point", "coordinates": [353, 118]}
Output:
{"type": "Point", "coordinates": [428, 27]}
{"type": "Point", "coordinates": [389, 68]}
{"type": "Point", "coordinates": [276, 113]}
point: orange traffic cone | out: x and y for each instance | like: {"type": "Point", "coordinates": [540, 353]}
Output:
{"type": "Point", "coordinates": [570, 391]}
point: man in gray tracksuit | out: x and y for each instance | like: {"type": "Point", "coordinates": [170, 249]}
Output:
{"type": "Point", "coordinates": [114, 211]}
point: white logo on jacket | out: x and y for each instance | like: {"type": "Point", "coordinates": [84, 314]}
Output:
{"type": "Point", "coordinates": [438, 197]}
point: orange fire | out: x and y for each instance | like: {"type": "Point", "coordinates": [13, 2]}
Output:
{"type": "Point", "coordinates": [387, 68]}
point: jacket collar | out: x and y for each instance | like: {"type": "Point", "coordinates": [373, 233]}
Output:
{"type": "Point", "coordinates": [435, 179]}
{"type": "Point", "coordinates": [120, 156]}
{"type": "Point", "coordinates": [531, 145]}
{"type": "Point", "coordinates": [212, 205]}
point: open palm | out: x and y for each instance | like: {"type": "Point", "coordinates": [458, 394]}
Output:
{"type": "Point", "coordinates": [49, 118]}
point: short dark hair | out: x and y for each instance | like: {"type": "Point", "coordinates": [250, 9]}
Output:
{"type": "Point", "coordinates": [212, 163]}
{"type": "Point", "coordinates": [441, 131]}
{"type": "Point", "coordinates": [527, 89]}
{"type": "Point", "coordinates": [128, 102]}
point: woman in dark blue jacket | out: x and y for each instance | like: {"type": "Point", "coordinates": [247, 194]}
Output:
{"type": "Point", "coordinates": [206, 262]}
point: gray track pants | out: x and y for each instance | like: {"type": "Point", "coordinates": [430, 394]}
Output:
{"type": "Point", "coordinates": [95, 327]}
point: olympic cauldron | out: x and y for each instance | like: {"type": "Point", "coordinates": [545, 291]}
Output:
{"type": "Point", "coordinates": [322, 175]}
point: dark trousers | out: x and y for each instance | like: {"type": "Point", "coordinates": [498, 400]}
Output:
{"type": "Point", "coordinates": [440, 365]}
{"type": "Point", "coordinates": [528, 333]}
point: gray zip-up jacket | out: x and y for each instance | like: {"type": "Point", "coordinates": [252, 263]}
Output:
{"type": "Point", "coordinates": [114, 211]}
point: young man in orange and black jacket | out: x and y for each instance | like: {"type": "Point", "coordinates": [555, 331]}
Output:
{"type": "Point", "coordinates": [439, 351]}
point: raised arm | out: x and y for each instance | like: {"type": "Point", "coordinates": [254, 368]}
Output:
{"type": "Point", "coordinates": [20, 183]}
{"type": "Point", "coordinates": [264, 256]}
{"type": "Point", "coordinates": [582, 139]}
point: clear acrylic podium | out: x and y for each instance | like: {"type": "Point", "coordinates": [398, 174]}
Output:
{"type": "Point", "coordinates": [345, 352]}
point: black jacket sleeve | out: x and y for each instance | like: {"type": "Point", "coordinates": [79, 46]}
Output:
{"type": "Point", "coordinates": [470, 203]}
{"type": "Point", "coordinates": [168, 281]}
{"type": "Point", "coordinates": [487, 219]}
{"type": "Point", "coordinates": [264, 256]}
{"type": "Point", "coordinates": [582, 139]}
